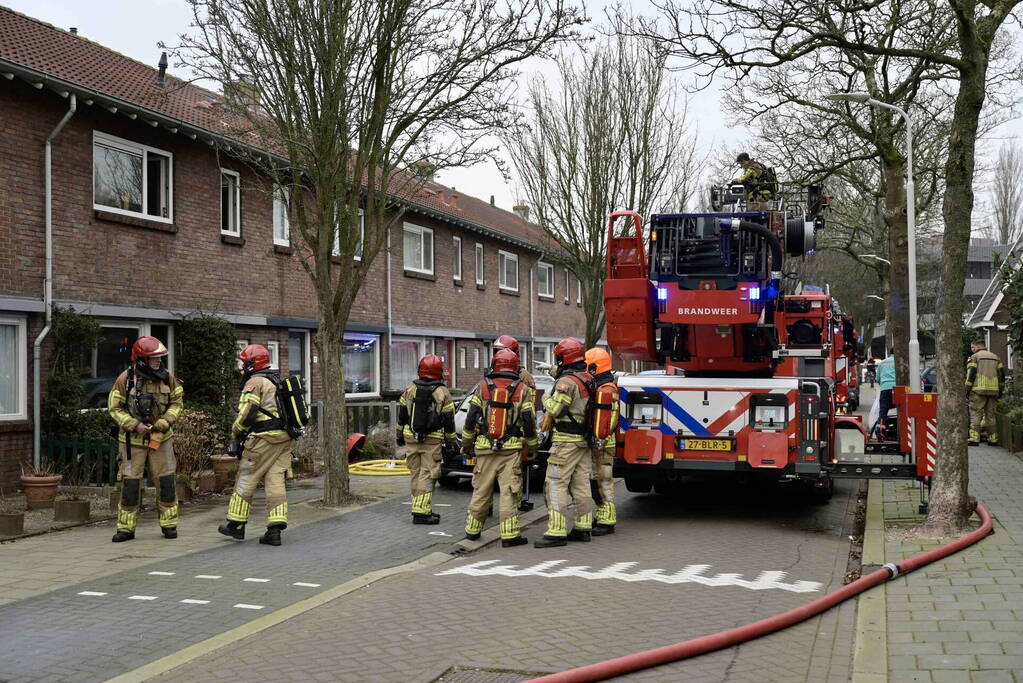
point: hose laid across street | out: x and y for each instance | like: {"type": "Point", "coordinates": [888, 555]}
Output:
{"type": "Point", "coordinates": [697, 646]}
{"type": "Point", "coordinates": [379, 468]}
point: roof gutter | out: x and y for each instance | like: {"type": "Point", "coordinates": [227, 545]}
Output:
{"type": "Point", "coordinates": [47, 286]}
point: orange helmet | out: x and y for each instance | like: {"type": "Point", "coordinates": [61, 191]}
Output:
{"type": "Point", "coordinates": [505, 360]}
{"type": "Point", "coordinates": [598, 361]}
{"type": "Point", "coordinates": [568, 351]}
{"type": "Point", "coordinates": [254, 358]}
{"type": "Point", "coordinates": [147, 347]}
{"type": "Point", "coordinates": [431, 367]}
{"type": "Point", "coordinates": [507, 342]}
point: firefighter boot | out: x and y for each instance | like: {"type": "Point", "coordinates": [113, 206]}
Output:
{"type": "Point", "coordinates": [431, 518]}
{"type": "Point", "coordinates": [525, 506]}
{"type": "Point", "coordinates": [272, 535]}
{"type": "Point", "coordinates": [122, 536]}
{"type": "Point", "coordinates": [169, 531]}
{"type": "Point", "coordinates": [580, 535]}
{"type": "Point", "coordinates": [602, 529]}
{"type": "Point", "coordinates": [974, 438]}
{"type": "Point", "coordinates": [233, 529]}
{"type": "Point", "coordinates": [512, 542]}
{"type": "Point", "coordinates": [550, 542]}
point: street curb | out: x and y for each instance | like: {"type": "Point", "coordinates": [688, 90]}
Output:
{"type": "Point", "coordinates": [186, 655]}
{"type": "Point", "coordinates": [493, 534]}
{"type": "Point", "coordinates": [870, 650]}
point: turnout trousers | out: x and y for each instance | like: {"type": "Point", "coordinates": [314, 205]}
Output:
{"type": "Point", "coordinates": [568, 481]}
{"type": "Point", "coordinates": [604, 485]}
{"type": "Point", "coordinates": [423, 461]}
{"type": "Point", "coordinates": [161, 468]}
{"type": "Point", "coordinates": [982, 418]}
{"type": "Point", "coordinates": [267, 462]}
{"type": "Point", "coordinates": [503, 468]}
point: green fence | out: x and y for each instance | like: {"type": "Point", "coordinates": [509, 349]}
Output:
{"type": "Point", "coordinates": [82, 461]}
{"type": "Point", "coordinates": [1010, 435]}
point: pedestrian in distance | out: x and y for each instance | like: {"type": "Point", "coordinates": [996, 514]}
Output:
{"type": "Point", "coordinates": [506, 341]}
{"type": "Point", "coordinates": [886, 380]}
{"type": "Point", "coordinates": [570, 462]}
{"type": "Point", "coordinates": [426, 421]}
{"type": "Point", "coordinates": [145, 402]}
{"type": "Point", "coordinates": [262, 442]}
{"type": "Point", "coordinates": [501, 422]}
{"type": "Point", "coordinates": [605, 433]}
{"type": "Point", "coordinates": [985, 383]}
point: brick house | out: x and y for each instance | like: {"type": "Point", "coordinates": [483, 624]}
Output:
{"type": "Point", "coordinates": [990, 317]}
{"type": "Point", "coordinates": [152, 219]}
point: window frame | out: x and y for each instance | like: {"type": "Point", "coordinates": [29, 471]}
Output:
{"type": "Point", "coordinates": [456, 247]}
{"type": "Point", "coordinates": [550, 279]}
{"type": "Point", "coordinates": [132, 147]}
{"type": "Point", "coordinates": [475, 358]}
{"type": "Point", "coordinates": [21, 374]}
{"type": "Point", "coordinates": [546, 353]}
{"type": "Point", "coordinates": [358, 336]}
{"type": "Point", "coordinates": [578, 292]}
{"type": "Point", "coordinates": [567, 285]}
{"type": "Point", "coordinates": [502, 260]}
{"type": "Point", "coordinates": [281, 196]}
{"type": "Point", "coordinates": [274, 348]}
{"type": "Point", "coordinates": [480, 265]}
{"type": "Point", "coordinates": [237, 202]}
{"type": "Point", "coordinates": [461, 358]}
{"type": "Point", "coordinates": [336, 251]}
{"type": "Point", "coordinates": [239, 345]}
{"type": "Point", "coordinates": [413, 228]}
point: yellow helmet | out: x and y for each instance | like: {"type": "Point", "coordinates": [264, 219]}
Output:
{"type": "Point", "coordinates": [598, 361]}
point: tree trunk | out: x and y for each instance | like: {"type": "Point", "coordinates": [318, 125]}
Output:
{"type": "Point", "coordinates": [593, 309]}
{"type": "Point", "coordinates": [333, 423]}
{"type": "Point", "coordinates": [950, 506]}
{"type": "Point", "coordinates": [897, 328]}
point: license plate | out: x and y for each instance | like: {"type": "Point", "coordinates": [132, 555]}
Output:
{"type": "Point", "coordinates": [707, 444]}
{"type": "Point", "coordinates": [469, 462]}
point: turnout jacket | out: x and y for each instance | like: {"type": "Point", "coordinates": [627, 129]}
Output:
{"type": "Point", "coordinates": [521, 425]}
{"type": "Point", "coordinates": [567, 408]}
{"type": "Point", "coordinates": [167, 403]}
{"type": "Point", "coordinates": [259, 392]}
{"type": "Point", "coordinates": [985, 374]}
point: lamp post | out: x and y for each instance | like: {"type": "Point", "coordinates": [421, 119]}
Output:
{"type": "Point", "coordinates": [914, 342]}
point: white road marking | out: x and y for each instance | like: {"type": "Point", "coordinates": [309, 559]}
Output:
{"type": "Point", "coordinates": [436, 505]}
{"type": "Point", "coordinates": [438, 533]}
{"type": "Point", "coordinates": [257, 580]}
{"type": "Point", "coordinates": [190, 601]}
{"type": "Point", "coordinates": [620, 571]}
{"type": "Point", "coordinates": [208, 576]}
{"type": "Point", "coordinates": [96, 593]}
{"type": "Point", "coordinates": [143, 597]}
{"type": "Point", "coordinates": [242, 605]}
{"type": "Point", "coordinates": [161, 573]}
{"type": "Point", "coordinates": [306, 585]}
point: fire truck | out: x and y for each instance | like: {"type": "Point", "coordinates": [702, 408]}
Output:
{"type": "Point", "coordinates": [757, 369]}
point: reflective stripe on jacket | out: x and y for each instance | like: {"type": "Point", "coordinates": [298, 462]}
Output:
{"type": "Point", "coordinates": [259, 392]}
{"type": "Point", "coordinates": [169, 401]}
{"type": "Point", "coordinates": [567, 407]}
{"type": "Point", "coordinates": [442, 403]}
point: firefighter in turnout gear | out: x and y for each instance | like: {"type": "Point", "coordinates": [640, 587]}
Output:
{"type": "Point", "coordinates": [265, 449]}
{"type": "Point", "coordinates": [985, 382]}
{"type": "Point", "coordinates": [605, 432]}
{"type": "Point", "coordinates": [755, 178]}
{"type": "Point", "coordinates": [500, 423]}
{"type": "Point", "coordinates": [426, 420]}
{"type": "Point", "coordinates": [506, 341]}
{"type": "Point", "coordinates": [570, 462]}
{"type": "Point", "coordinates": [145, 401]}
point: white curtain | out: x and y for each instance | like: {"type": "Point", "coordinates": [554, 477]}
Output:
{"type": "Point", "coordinates": [9, 370]}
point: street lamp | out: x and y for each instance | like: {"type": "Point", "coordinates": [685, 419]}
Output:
{"type": "Point", "coordinates": [914, 342]}
{"type": "Point", "coordinates": [877, 258]}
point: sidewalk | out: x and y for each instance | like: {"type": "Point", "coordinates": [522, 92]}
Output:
{"type": "Point", "coordinates": [959, 619]}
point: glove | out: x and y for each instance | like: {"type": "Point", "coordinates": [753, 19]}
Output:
{"type": "Point", "coordinates": [532, 453]}
{"type": "Point", "coordinates": [401, 441]}
{"type": "Point", "coordinates": [235, 448]}
{"type": "Point", "coordinates": [161, 425]}
{"type": "Point", "coordinates": [467, 449]}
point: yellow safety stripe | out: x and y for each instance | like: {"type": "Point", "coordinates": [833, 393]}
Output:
{"type": "Point", "coordinates": [510, 528]}
{"type": "Point", "coordinates": [169, 517]}
{"type": "Point", "coordinates": [238, 508]}
{"type": "Point", "coordinates": [557, 525]}
{"type": "Point", "coordinates": [278, 515]}
{"type": "Point", "coordinates": [126, 520]}
{"type": "Point", "coordinates": [422, 504]}
{"type": "Point", "coordinates": [584, 523]}
{"type": "Point", "coordinates": [472, 525]}
{"type": "Point", "coordinates": [607, 514]}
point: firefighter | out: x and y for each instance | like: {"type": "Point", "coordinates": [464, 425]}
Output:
{"type": "Point", "coordinates": [985, 382]}
{"type": "Point", "coordinates": [264, 447]}
{"type": "Point", "coordinates": [756, 181]}
{"type": "Point", "coordinates": [605, 421]}
{"type": "Point", "coordinates": [569, 464]}
{"type": "Point", "coordinates": [145, 401]}
{"type": "Point", "coordinates": [426, 419]}
{"type": "Point", "coordinates": [508, 342]}
{"type": "Point", "coordinates": [500, 423]}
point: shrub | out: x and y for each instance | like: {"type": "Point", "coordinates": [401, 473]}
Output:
{"type": "Point", "coordinates": [196, 440]}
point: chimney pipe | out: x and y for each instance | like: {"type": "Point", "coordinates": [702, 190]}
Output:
{"type": "Point", "coordinates": [492, 200]}
{"type": "Point", "coordinates": [73, 30]}
{"type": "Point", "coordinates": [160, 81]}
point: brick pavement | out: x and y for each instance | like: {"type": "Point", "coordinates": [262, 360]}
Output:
{"type": "Point", "coordinates": [960, 619]}
{"type": "Point", "coordinates": [416, 626]}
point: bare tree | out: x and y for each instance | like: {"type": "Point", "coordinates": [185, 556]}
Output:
{"type": "Point", "coordinates": [612, 134]}
{"type": "Point", "coordinates": [1007, 194]}
{"type": "Point", "coordinates": [350, 94]}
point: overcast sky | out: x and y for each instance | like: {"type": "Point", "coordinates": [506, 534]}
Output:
{"type": "Point", "coordinates": [134, 27]}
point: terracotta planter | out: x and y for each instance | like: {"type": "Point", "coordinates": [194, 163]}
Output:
{"type": "Point", "coordinates": [12, 523]}
{"type": "Point", "coordinates": [40, 492]}
{"type": "Point", "coordinates": [206, 483]}
{"type": "Point", "coordinates": [71, 511]}
{"type": "Point", "coordinates": [223, 465]}
{"type": "Point", "coordinates": [184, 492]}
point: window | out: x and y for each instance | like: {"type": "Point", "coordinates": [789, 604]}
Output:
{"type": "Point", "coordinates": [131, 179]}
{"type": "Point", "coordinates": [545, 279]}
{"type": "Point", "coordinates": [239, 345]}
{"type": "Point", "coordinates": [112, 356]}
{"type": "Point", "coordinates": [360, 359]}
{"type": "Point", "coordinates": [230, 203]}
{"type": "Point", "coordinates": [418, 249]}
{"type": "Point", "coordinates": [476, 358]}
{"type": "Point", "coordinates": [336, 251]}
{"type": "Point", "coordinates": [405, 355]}
{"type": "Point", "coordinates": [578, 293]}
{"type": "Point", "coordinates": [479, 265]}
{"type": "Point", "coordinates": [508, 265]}
{"type": "Point", "coordinates": [13, 361]}
{"type": "Point", "coordinates": [461, 358]}
{"type": "Point", "coordinates": [298, 358]}
{"type": "Point", "coordinates": [566, 285]}
{"type": "Point", "coordinates": [274, 348]}
{"type": "Point", "coordinates": [281, 216]}
{"type": "Point", "coordinates": [541, 354]}
{"type": "Point", "coordinates": [456, 250]}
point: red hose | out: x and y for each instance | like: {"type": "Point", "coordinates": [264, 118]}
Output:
{"type": "Point", "coordinates": [698, 646]}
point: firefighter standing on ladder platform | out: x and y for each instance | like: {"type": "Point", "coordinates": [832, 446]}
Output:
{"type": "Point", "coordinates": [985, 382]}
{"type": "Point", "coordinates": [605, 428]}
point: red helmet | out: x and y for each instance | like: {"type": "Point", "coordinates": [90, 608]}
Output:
{"type": "Point", "coordinates": [431, 367]}
{"type": "Point", "coordinates": [505, 360]}
{"type": "Point", "coordinates": [147, 347]}
{"type": "Point", "coordinates": [568, 351]}
{"type": "Point", "coordinates": [254, 358]}
{"type": "Point", "coordinates": [598, 361]}
{"type": "Point", "coordinates": [507, 342]}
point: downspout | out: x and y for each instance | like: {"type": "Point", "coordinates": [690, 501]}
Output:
{"type": "Point", "coordinates": [388, 307]}
{"type": "Point", "coordinates": [532, 334]}
{"type": "Point", "coordinates": [47, 288]}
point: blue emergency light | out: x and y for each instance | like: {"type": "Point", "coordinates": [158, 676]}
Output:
{"type": "Point", "coordinates": [662, 293]}
{"type": "Point", "coordinates": [754, 293]}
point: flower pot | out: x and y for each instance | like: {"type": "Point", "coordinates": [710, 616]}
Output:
{"type": "Point", "coordinates": [40, 492]}
{"type": "Point", "coordinates": [222, 468]}
{"type": "Point", "coordinates": [12, 523]}
{"type": "Point", "coordinates": [184, 492]}
{"type": "Point", "coordinates": [206, 483]}
{"type": "Point", "coordinates": [71, 511]}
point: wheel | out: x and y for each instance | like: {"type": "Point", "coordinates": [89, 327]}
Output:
{"type": "Point", "coordinates": [638, 484]}
{"type": "Point", "coordinates": [665, 487]}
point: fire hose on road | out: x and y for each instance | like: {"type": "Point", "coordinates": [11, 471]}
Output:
{"type": "Point", "coordinates": [697, 646]}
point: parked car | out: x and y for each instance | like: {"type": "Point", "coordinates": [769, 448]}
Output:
{"type": "Point", "coordinates": [929, 378]}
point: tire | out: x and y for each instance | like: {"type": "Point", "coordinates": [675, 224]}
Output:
{"type": "Point", "coordinates": [666, 488]}
{"type": "Point", "coordinates": [638, 485]}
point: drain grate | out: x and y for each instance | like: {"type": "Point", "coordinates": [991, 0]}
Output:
{"type": "Point", "coordinates": [459, 674]}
